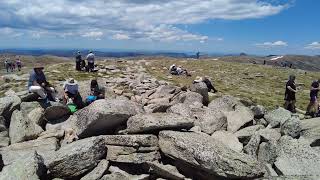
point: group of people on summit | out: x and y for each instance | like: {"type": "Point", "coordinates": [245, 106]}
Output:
{"type": "Point", "coordinates": [39, 85]}
{"type": "Point", "coordinates": [81, 63]}
{"type": "Point", "coordinates": [290, 97]}
{"type": "Point", "coordinates": [12, 65]}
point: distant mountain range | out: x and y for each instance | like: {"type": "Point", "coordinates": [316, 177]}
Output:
{"type": "Point", "coordinates": [116, 54]}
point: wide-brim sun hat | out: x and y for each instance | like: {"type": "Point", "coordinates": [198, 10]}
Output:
{"type": "Point", "coordinates": [72, 81]}
{"type": "Point", "coordinates": [38, 66]}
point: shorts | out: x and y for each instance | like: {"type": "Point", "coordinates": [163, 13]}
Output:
{"type": "Point", "coordinates": [313, 99]}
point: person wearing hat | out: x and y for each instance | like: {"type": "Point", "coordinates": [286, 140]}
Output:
{"type": "Point", "coordinates": [38, 84]}
{"type": "Point", "coordinates": [71, 93]}
{"type": "Point", "coordinates": [78, 61]}
{"type": "Point", "coordinates": [90, 59]}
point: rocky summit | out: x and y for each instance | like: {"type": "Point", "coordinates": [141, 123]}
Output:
{"type": "Point", "coordinates": [147, 128]}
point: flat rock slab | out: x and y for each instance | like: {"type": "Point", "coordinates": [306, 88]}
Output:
{"type": "Point", "coordinates": [45, 147]}
{"type": "Point", "coordinates": [102, 116]}
{"type": "Point", "coordinates": [205, 153]}
{"type": "Point", "coordinates": [142, 123]}
{"type": "Point", "coordinates": [165, 171]}
{"type": "Point", "coordinates": [98, 171]}
{"type": "Point", "coordinates": [277, 117]}
{"type": "Point", "coordinates": [245, 134]}
{"type": "Point", "coordinates": [28, 167]}
{"type": "Point", "coordinates": [131, 140]}
{"type": "Point", "coordinates": [56, 111]}
{"type": "Point", "coordinates": [228, 139]}
{"type": "Point", "coordinates": [76, 158]}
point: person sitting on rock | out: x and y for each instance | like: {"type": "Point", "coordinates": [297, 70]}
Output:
{"type": "Point", "coordinates": [173, 69]}
{"type": "Point", "coordinates": [312, 108]}
{"type": "Point", "coordinates": [38, 84]}
{"type": "Point", "coordinates": [290, 94]}
{"type": "Point", "coordinates": [207, 81]}
{"type": "Point", "coordinates": [71, 93]}
{"type": "Point", "coordinates": [96, 92]}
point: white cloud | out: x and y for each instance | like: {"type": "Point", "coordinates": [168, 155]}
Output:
{"type": "Point", "coordinates": [273, 44]}
{"type": "Point", "coordinates": [138, 19]}
{"type": "Point", "coordinates": [120, 37]}
{"type": "Point", "coordinates": [93, 34]}
{"type": "Point", "coordinates": [313, 46]}
{"type": "Point", "coordinates": [9, 32]}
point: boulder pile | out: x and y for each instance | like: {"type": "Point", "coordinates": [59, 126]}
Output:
{"type": "Point", "coordinates": [160, 131]}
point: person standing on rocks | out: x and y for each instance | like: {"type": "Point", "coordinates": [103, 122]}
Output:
{"type": "Point", "coordinates": [290, 94]}
{"type": "Point", "coordinates": [90, 59]}
{"type": "Point", "coordinates": [19, 64]}
{"type": "Point", "coordinates": [38, 84]}
{"type": "Point", "coordinates": [78, 61]}
{"type": "Point", "coordinates": [6, 65]}
{"type": "Point", "coordinates": [312, 108]}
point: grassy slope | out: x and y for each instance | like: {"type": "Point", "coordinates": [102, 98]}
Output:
{"type": "Point", "coordinates": [239, 79]}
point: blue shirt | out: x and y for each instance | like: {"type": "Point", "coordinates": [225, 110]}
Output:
{"type": "Point", "coordinates": [40, 78]}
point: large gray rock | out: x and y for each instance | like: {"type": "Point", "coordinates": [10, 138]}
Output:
{"type": "Point", "coordinates": [102, 116]}
{"type": "Point", "coordinates": [163, 91]}
{"type": "Point", "coordinates": [210, 121]}
{"type": "Point", "coordinates": [277, 116]}
{"type": "Point", "coordinates": [117, 174]}
{"type": "Point", "coordinates": [78, 157]}
{"type": "Point", "coordinates": [98, 171]}
{"type": "Point", "coordinates": [252, 147]}
{"type": "Point", "coordinates": [291, 127]}
{"type": "Point", "coordinates": [208, 155]}
{"type": "Point", "coordinates": [156, 122]}
{"type": "Point", "coordinates": [296, 158]}
{"type": "Point", "coordinates": [56, 111]}
{"type": "Point", "coordinates": [310, 129]}
{"type": "Point", "coordinates": [224, 104]}
{"type": "Point", "coordinates": [131, 140]}
{"type": "Point", "coordinates": [228, 139]}
{"type": "Point", "coordinates": [238, 118]}
{"type": "Point", "coordinates": [258, 111]}
{"type": "Point", "coordinates": [45, 148]}
{"type": "Point", "coordinates": [7, 106]}
{"type": "Point", "coordinates": [29, 167]}
{"type": "Point", "coordinates": [202, 89]}
{"type": "Point", "coordinates": [268, 134]}
{"type": "Point", "coordinates": [131, 155]}
{"type": "Point", "coordinates": [267, 152]}
{"type": "Point", "coordinates": [190, 98]}
{"type": "Point", "coordinates": [180, 109]}
{"type": "Point", "coordinates": [22, 128]}
{"type": "Point", "coordinates": [245, 134]}
{"type": "Point", "coordinates": [166, 171]}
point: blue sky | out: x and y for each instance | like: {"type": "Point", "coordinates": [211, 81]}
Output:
{"type": "Point", "coordinates": [216, 26]}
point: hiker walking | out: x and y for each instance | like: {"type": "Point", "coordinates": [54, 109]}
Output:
{"type": "Point", "coordinates": [313, 106]}
{"type": "Point", "coordinates": [290, 94]}
{"type": "Point", "coordinates": [90, 59]}
{"type": "Point", "coordinates": [6, 65]}
{"type": "Point", "coordinates": [38, 84]}
{"type": "Point", "coordinates": [198, 55]}
{"type": "Point", "coordinates": [78, 61]}
{"type": "Point", "coordinates": [18, 63]}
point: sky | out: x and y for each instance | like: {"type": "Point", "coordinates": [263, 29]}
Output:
{"type": "Point", "coordinates": [259, 27]}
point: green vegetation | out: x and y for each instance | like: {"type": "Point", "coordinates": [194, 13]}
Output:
{"type": "Point", "coordinates": [261, 84]}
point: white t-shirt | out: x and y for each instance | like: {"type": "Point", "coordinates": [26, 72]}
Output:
{"type": "Point", "coordinates": [90, 58]}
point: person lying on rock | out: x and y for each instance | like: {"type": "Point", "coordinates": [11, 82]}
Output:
{"type": "Point", "coordinates": [312, 108]}
{"type": "Point", "coordinates": [207, 81]}
{"type": "Point", "coordinates": [290, 94]}
{"type": "Point", "coordinates": [71, 93]}
{"type": "Point", "coordinates": [96, 92]}
{"type": "Point", "coordinates": [174, 70]}
{"type": "Point", "coordinates": [39, 85]}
